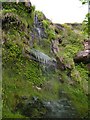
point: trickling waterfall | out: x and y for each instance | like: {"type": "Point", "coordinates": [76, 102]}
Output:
{"type": "Point", "coordinates": [43, 58]}
{"type": "Point", "coordinates": [39, 31]}
{"type": "Point", "coordinates": [60, 109]}
{"type": "Point", "coordinates": [36, 19]}
{"type": "Point", "coordinates": [32, 40]}
{"type": "Point", "coordinates": [37, 27]}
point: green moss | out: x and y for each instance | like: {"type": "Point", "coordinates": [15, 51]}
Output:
{"type": "Point", "coordinates": [46, 24]}
{"type": "Point", "coordinates": [40, 15]}
{"type": "Point", "coordinates": [24, 13]}
{"type": "Point", "coordinates": [48, 29]}
{"type": "Point", "coordinates": [21, 76]}
{"type": "Point", "coordinates": [79, 100]}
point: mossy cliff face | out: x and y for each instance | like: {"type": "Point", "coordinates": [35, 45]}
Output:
{"type": "Point", "coordinates": [38, 63]}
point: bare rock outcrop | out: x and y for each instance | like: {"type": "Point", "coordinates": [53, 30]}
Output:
{"type": "Point", "coordinates": [84, 56]}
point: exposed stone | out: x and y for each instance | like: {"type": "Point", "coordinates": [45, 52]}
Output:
{"type": "Point", "coordinates": [84, 56]}
{"type": "Point", "coordinates": [24, 97]}
{"type": "Point", "coordinates": [60, 27]}
{"type": "Point", "coordinates": [61, 65]}
{"type": "Point", "coordinates": [74, 25]}
{"type": "Point", "coordinates": [54, 46]}
{"type": "Point", "coordinates": [47, 109]}
{"type": "Point", "coordinates": [39, 26]}
{"type": "Point", "coordinates": [86, 44]}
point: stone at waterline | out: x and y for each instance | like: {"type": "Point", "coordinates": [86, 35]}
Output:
{"type": "Point", "coordinates": [48, 109]}
{"type": "Point", "coordinates": [41, 57]}
{"type": "Point", "coordinates": [60, 109]}
{"type": "Point", "coordinates": [31, 107]}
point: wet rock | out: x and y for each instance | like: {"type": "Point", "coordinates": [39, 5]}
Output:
{"type": "Point", "coordinates": [42, 58]}
{"type": "Point", "coordinates": [47, 109]}
{"type": "Point", "coordinates": [34, 98]}
{"type": "Point", "coordinates": [39, 27]}
{"type": "Point", "coordinates": [32, 107]}
{"type": "Point", "coordinates": [60, 109]}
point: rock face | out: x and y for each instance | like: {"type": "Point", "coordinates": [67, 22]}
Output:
{"type": "Point", "coordinates": [74, 25]}
{"type": "Point", "coordinates": [41, 57]}
{"type": "Point", "coordinates": [39, 27]}
{"type": "Point", "coordinates": [48, 63]}
{"type": "Point", "coordinates": [84, 56]}
{"type": "Point", "coordinates": [87, 45]}
{"type": "Point", "coordinates": [60, 109]}
{"type": "Point", "coordinates": [60, 27]}
{"type": "Point", "coordinates": [55, 48]}
{"type": "Point", "coordinates": [61, 65]}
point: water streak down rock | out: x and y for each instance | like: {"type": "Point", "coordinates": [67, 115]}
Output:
{"type": "Point", "coordinates": [48, 109]}
{"type": "Point", "coordinates": [39, 27]}
{"type": "Point", "coordinates": [41, 57]}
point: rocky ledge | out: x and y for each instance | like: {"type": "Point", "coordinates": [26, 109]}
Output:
{"type": "Point", "coordinates": [84, 56]}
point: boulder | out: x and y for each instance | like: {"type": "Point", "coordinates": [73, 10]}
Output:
{"type": "Point", "coordinates": [83, 56]}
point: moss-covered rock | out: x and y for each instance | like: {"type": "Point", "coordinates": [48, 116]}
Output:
{"type": "Point", "coordinates": [23, 76]}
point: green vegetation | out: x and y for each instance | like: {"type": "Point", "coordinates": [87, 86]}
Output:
{"type": "Point", "coordinates": [40, 15]}
{"type": "Point", "coordinates": [86, 22]}
{"type": "Point", "coordinates": [49, 29]}
{"type": "Point", "coordinates": [22, 75]}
